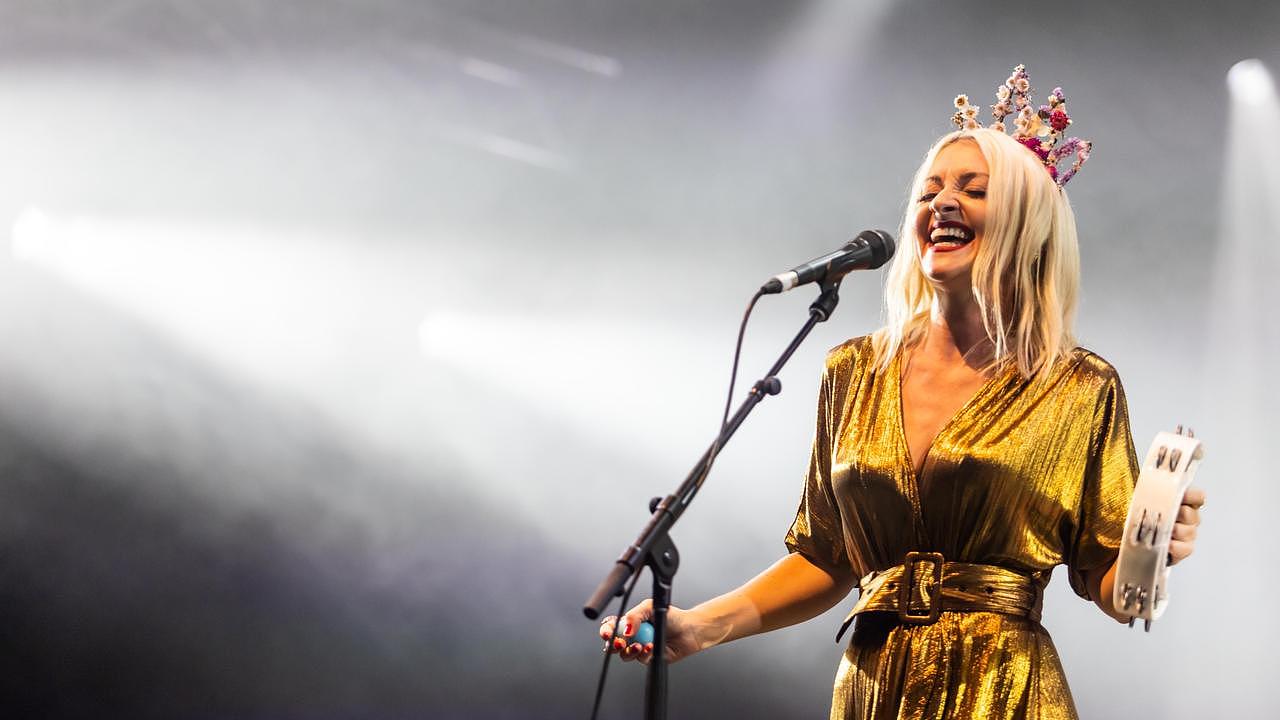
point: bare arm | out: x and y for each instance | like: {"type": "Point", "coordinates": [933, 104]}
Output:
{"type": "Point", "coordinates": [1101, 583]}
{"type": "Point", "coordinates": [791, 591]}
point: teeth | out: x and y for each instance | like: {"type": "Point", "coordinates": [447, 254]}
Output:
{"type": "Point", "coordinates": [954, 232]}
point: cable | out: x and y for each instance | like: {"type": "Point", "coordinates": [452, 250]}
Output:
{"type": "Point", "coordinates": [604, 668]}
{"type": "Point", "coordinates": [706, 470]}
{"type": "Point", "coordinates": [737, 352]}
{"type": "Point", "coordinates": [733, 379]}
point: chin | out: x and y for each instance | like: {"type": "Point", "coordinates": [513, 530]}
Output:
{"type": "Point", "coordinates": [947, 271]}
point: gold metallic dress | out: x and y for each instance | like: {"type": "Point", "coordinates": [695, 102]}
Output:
{"type": "Point", "coordinates": [1029, 474]}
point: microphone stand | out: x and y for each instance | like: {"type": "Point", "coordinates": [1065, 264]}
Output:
{"type": "Point", "coordinates": [653, 547]}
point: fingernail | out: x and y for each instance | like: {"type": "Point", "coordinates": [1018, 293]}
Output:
{"type": "Point", "coordinates": [618, 644]}
{"type": "Point", "coordinates": [627, 630]}
{"type": "Point", "coordinates": [648, 647]}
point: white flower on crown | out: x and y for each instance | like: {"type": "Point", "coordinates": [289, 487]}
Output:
{"type": "Point", "coordinates": [1034, 126]}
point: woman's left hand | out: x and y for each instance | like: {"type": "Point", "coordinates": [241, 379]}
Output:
{"type": "Point", "coordinates": [1183, 542]}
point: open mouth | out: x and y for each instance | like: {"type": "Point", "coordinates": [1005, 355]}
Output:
{"type": "Point", "coordinates": [950, 236]}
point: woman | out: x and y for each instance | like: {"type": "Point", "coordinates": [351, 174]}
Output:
{"type": "Point", "coordinates": [969, 445]}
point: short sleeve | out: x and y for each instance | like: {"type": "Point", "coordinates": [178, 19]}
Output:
{"type": "Point", "coordinates": [1107, 489]}
{"type": "Point", "coordinates": [817, 532]}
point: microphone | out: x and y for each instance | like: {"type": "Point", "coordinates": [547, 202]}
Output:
{"type": "Point", "coordinates": [868, 251]}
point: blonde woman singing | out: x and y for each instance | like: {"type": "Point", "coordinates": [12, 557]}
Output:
{"type": "Point", "coordinates": [962, 452]}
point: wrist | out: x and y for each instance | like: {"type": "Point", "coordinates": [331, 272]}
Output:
{"type": "Point", "coordinates": [723, 619]}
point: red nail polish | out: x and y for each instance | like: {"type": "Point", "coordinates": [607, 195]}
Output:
{"type": "Point", "coordinates": [627, 630]}
{"type": "Point", "coordinates": [648, 647]}
{"type": "Point", "coordinates": [618, 644]}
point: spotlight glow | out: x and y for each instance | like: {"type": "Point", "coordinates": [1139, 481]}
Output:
{"type": "Point", "coordinates": [1250, 82]}
{"type": "Point", "coordinates": [30, 231]}
{"type": "Point", "coordinates": [264, 302]}
{"type": "Point", "coordinates": [577, 369]}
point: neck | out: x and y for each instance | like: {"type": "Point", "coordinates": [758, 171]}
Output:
{"type": "Point", "coordinates": [955, 328]}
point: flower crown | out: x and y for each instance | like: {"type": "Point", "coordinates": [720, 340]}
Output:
{"type": "Point", "coordinates": [1040, 131]}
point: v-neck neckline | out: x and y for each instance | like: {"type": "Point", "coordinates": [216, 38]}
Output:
{"type": "Point", "coordinates": [977, 395]}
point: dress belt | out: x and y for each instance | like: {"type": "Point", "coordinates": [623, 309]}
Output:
{"type": "Point", "coordinates": [926, 584]}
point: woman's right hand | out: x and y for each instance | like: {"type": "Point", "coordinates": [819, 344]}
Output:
{"type": "Point", "coordinates": [682, 634]}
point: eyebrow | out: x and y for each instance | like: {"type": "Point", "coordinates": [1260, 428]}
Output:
{"type": "Point", "coordinates": [963, 177]}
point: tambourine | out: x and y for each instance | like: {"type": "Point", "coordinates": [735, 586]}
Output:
{"type": "Point", "coordinates": [1142, 572]}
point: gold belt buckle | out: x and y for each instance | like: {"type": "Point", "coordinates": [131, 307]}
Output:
{"type": "Point", "coordinates": [908, 583]}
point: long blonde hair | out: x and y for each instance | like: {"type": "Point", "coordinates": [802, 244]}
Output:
{"type": "Point", "coordinates": [1027, 271]}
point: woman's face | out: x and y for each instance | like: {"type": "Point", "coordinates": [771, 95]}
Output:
{"type": "Point", "coordinates": [951, 214]}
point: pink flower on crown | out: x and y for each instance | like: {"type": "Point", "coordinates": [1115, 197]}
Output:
{"type": "Point", "coordinates": [1053, 171]}
{"type": "Point", "coordinates": [1041, 149]}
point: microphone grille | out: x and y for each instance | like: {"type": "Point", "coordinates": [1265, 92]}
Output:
{"type": "Point", "coordinates": [882, 247]}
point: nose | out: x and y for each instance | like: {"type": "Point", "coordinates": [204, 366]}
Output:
{"type": "Point", "coordinates": [944, 202]}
